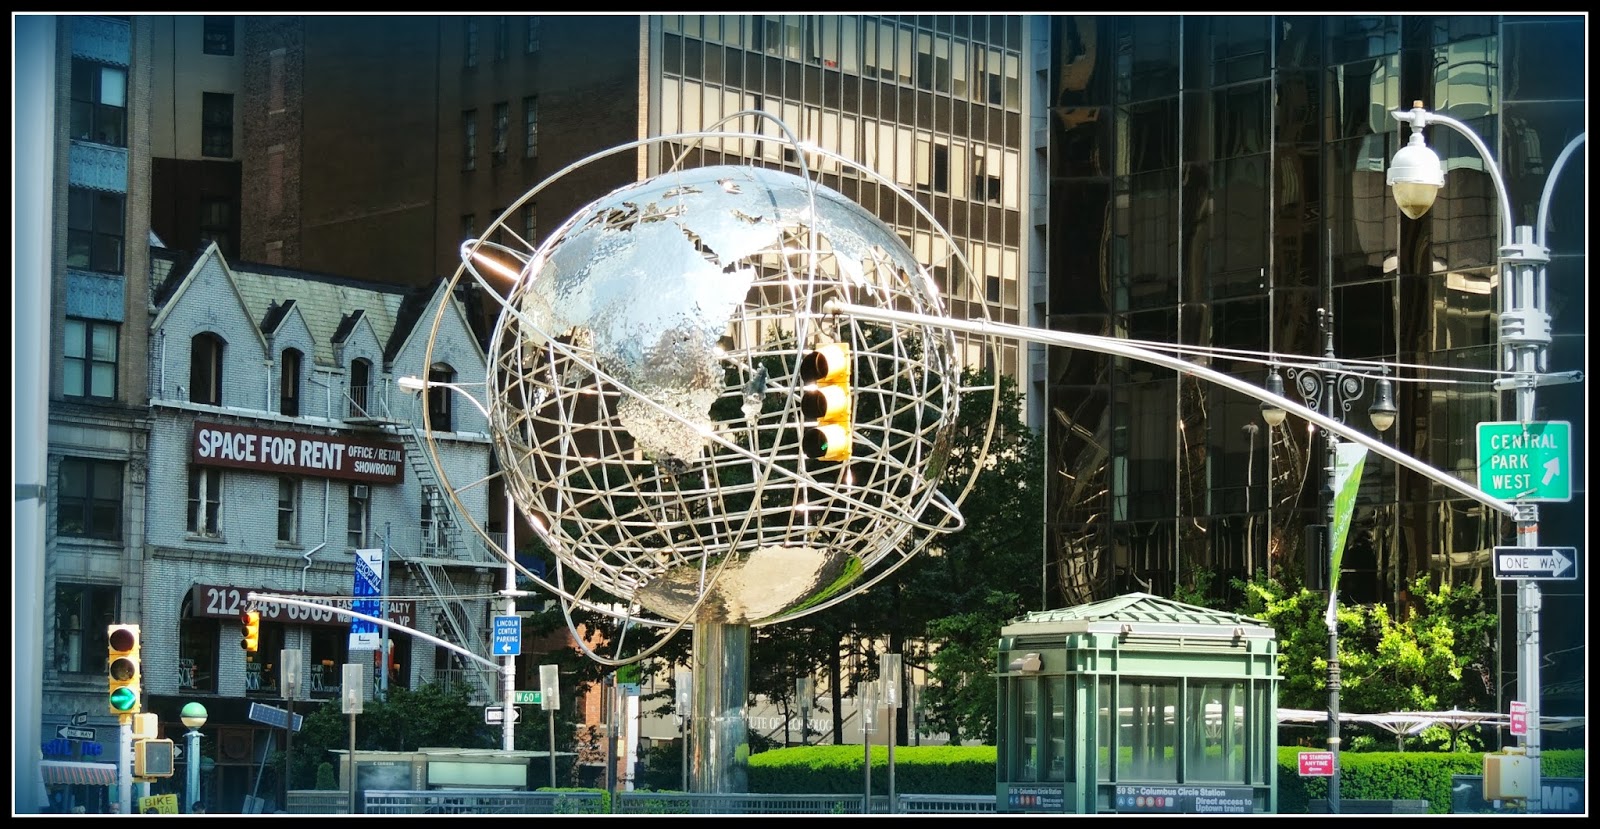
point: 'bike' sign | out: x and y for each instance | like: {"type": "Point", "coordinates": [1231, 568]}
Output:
{"type": "Point", "coordinates": [214, 601]}
{"type": "Point", "coordinates": [297, 453]}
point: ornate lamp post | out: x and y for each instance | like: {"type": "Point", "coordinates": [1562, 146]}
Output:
{"type": "Point", "coordinates": [1331, 388]}
{"type": "Point", "coordinates": [1416, 176]}
{"type": "Point", "coordinates": [193, 716]}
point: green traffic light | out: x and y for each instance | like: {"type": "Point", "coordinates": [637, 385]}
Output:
{"type": "Point", "coordinates": [124, 699]}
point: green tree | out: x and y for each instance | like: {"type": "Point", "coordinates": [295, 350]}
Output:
{"type": "Point", "coordinates": [965, 586]}
{"type": "Point", "coordinates": [1435, 658]}
{"type": "Point", "coordinates": [428, 715]}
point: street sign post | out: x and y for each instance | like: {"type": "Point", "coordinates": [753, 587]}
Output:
{"type": "Point", "coordinates": [1519, 718]}
{"type": "Point", "coordinates": [1316, 764]}
{"type": "Point", "coordinates": [495, 714]}
{"type": "Point", "coordinates": [1526, 461]}
{"type": "Point", "coordinates": [1547, 563]}
{"type": "Point", "coordinates": [508, 636]}
{"type": "Point", "coordinates": [525, 697]}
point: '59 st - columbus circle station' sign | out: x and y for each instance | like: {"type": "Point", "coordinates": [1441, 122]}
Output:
{"type": "Point", "coordinates": [298, 453]}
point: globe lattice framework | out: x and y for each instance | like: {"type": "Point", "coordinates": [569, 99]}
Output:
{"type": "Point", "coordinates": [644, 385]}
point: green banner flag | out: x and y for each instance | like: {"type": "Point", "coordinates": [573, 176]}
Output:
{"type": "Point", "coordinates": [1348, 460]}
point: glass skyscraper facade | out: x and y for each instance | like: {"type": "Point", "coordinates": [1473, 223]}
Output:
{"type": "Point", "coordinates": [1213, 179]}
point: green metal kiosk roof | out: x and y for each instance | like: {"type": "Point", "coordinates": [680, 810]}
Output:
{"type": "Point", "coordinates": [1143, 615]}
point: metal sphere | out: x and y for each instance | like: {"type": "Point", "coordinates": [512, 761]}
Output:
{"type": "Point", "coordinates": [644, 394]}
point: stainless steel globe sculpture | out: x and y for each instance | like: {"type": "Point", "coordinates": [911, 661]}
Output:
{"type": "Point", "coordinates": [644, 392]}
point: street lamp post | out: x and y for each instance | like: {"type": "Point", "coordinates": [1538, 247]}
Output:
{"type": "Point", "coordinates": [193, 716]}
{"type": "Point", "coordinates": [1331, 387]}
{"type": "Point", "coordinates": [1416, 176]}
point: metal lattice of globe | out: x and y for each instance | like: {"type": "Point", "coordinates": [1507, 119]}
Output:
{"type": "Point", "coordinates": [644, 394]}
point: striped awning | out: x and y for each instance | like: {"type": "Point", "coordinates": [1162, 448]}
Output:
{"type": "Point", "coordinates": [69, 773]}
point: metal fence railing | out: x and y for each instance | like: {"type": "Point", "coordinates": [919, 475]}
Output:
{"type": "Point", "coordinates": [470, 802]}
{"type": "Point", "coordinates": [684, 803]}
{"type": "Point", "coordinates": [477, 802]}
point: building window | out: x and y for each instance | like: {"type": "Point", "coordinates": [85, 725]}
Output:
{"type": "Point", "coordinates": [360, 386]}
{"type": "Point", "coordinates": [219, 34]}
{"type": "Point", "coordinates": [197, 649]}
{"type": "Point", "coordinates": [205, 369]}
{"type": "Point", "coordinates": [530, 126]}
{"type": "Point", "coordinates": [531, 28]}
{"type": "Point", "coordinates": [502, 127]}
{"type": "Point", "coordinates": [430, 528]}
{"type": "Point", "coordinates": [83, 612]}
{"type": "Point", "coordinates": [439, 397]}
{"type": "Point", "coordinates": [530, 224]}
{"type": "Point", "coordinates": [205, 502]}
{"type": "Point", "coordinates": [275, 180]}
{"type": "Point", "coordinates": [89, 498]}
{"type": "Point", "coordinates": [289, 382]}
{"type": "Point", "coordinates": [99, 103]}
{"type": "Point", "coordinates": [502, 37]}
{"type": "Point", "coordinates": [275, 79]}
{"type": "Point", "coordinates": [985, 180]}
{"type": "Point", "coordinates": [94, 230]}
{"type": "Point", "coordinates": [469, 226]}
{"type": "Point", "coordinates": [89, 359]}
{"type": "Point", "coordinates": [469, 140]}
{"type": "Point", "coordinates": [216, 224]}
{"type": "Point", "coordinates": [356, 517]}
{"type": "Point", "coordinates": [288, 510]}
{"type": "Point", "coordinates": [216, 125]}
{"type": "Point", "coordinates": [469, 45]}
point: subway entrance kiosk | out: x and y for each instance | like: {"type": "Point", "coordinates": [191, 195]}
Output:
{"type": "Point", "coordinates": [1137, 705]}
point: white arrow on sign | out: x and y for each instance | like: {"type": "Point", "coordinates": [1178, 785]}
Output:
{"type": "Point", "coordinates": [505, 647]}
{"type": "Point", "coordinates": [71, 732]}
{"type": "Point", "coordinates": [495, 714]}
{"type": "Point", "coordinates": [1552, 470]}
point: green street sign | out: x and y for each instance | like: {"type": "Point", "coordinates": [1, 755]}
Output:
{"type": "Point", "coordinates": [524, 697]}
{"type": "Point", "coordinates": [1526, 461]}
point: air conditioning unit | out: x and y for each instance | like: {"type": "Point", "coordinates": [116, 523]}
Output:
{"type": "Point", "coordinates": [359, 492]}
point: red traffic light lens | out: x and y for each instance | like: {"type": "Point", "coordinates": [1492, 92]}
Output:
{"type": "Point", "coordinates": [123, 639]}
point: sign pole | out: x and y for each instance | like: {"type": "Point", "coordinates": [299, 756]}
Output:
{"type": "Point", "coordinates": [354, 692]}
{"type": "Point", "coordinates": [383, 613]}
{"type": "Point", "coordinates": [508, 733]}
{"type": "Point", "coordinates": [125, 763]}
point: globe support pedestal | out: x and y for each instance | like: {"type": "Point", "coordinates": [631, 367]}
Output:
{"type": "Point", "coordinates": [719, 734]}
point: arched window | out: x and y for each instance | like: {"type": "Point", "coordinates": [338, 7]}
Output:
{"type": "Point", "coordinates": [439, 397]}
{"type": "Point", "coordinates": [289, 382]}
{"type": "Point", "coordinates": [205, 369]}
{"type": "Point", "coordinates": [360, 386]}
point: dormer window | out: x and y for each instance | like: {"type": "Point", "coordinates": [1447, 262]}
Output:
{"type": "Point", "coordinates": [205, 369]}
{"type": "Point", "coordinates": [439, 397]}
{"type": "Point", "coordinates": [289, 382]}
{"type": "Point", "coordinates": [360, 387]}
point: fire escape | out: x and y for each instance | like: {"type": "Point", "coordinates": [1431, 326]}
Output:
{"type": "Point", "coordinates": [444, 545]}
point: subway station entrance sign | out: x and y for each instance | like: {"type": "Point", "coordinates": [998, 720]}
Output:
{"type": "Point", "coordinates": [1526, 461]}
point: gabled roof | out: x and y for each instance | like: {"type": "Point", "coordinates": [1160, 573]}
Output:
{"type": "Point", "coordinates": [169, 298]}
{"type": "Point", "coordinates": [331, 306]}
{"type": "Point", "coordinates": [276, 314]}
{"type": "Point", "coordinates": [1132, 612]}
{"type": "Point", "coordinates": [324, 301]}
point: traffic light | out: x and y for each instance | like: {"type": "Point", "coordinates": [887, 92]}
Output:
{"type": "Point", "coordinates": [825, 399]}
{"type": "Point", "coordinates": [122, 668]}
{"type": "Point", "coordinates": [153, 758]}
{"type": "Point", "coordinates": [251, 619]}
